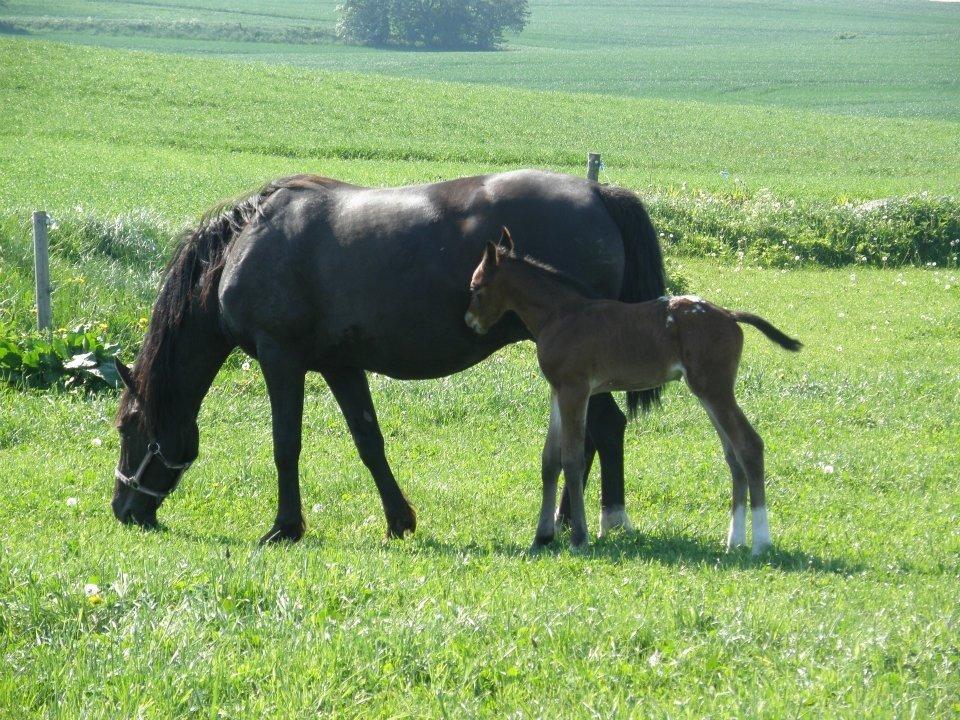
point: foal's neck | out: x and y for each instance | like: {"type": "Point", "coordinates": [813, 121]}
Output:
{"type": "Point", "coordinates": [536, 297]}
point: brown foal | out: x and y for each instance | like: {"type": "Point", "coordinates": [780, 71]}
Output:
{"type": "Point", "coordinates": [587, 345]}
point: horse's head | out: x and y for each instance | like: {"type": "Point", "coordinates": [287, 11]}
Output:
{"type": "Point", "coordinates": [487, 297]}
{"type": "Point", "coordinates": [151, 460]}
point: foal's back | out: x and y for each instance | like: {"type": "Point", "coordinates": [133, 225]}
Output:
{"type": "Point", "coordinates": [611, 345]}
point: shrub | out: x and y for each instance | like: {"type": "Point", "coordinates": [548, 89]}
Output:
{"type": "Point", "coordinates": [78, 358]}
{"type": "Point", "coordinates": [469, 24]}
{"type": "Point", "coordinates": [912, 230]}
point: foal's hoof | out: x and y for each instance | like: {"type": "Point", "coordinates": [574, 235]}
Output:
{"type": "Point", "coordinates": [401, 525]}
{"type": "Point", "coordinates": [284, 532]}
{"type": "Point", "coordinates": [579, 544]}
{"type": "Point", "coordinates": [761, 549]}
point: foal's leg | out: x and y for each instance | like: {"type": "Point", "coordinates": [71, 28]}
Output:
{"type": "Point", "coordinates": [737, 531]}
{"type": "Point", "coordinates": [747, 447]}
{"type": "Point", "coordinates": [551, 464]}
{"type": "Point", "coordinates": [285, 376]}
{"type": "Point", "coordinates": [573, 416]}
{"type": "Point", "coordinates": [352, 392]}
{"type": "Point", "coordinates": [606, 425]}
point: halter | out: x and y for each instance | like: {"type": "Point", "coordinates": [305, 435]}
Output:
{"type": "Point", "coordinates": [133, 481]}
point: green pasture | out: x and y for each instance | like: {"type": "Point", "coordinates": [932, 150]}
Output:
{"type": "Point", "coordinates": [894, 59]}
{"type": "Point", "coordinates": [119, 130]}
{"type": "Point", "coordinates": [854, 613]}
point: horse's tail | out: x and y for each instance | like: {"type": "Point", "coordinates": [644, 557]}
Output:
{"type": "Point", "coordinates": [644, 277]}
{"type": "Point", "coordinates": [780, 338]}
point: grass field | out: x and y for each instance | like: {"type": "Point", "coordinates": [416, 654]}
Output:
{"type": "Point", "coordinates": [116, 130]}
{"type": "Point", "coordinates": [854, 614]}
{"type": "Point", "coordinates": [856, 611]}
{"type": "Point", "coordinates": [849, 56]}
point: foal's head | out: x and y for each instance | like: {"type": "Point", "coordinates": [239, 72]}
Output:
{"type": "Point", "coordinates": [487, 297]}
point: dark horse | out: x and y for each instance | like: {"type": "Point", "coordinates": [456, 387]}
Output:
{"type": "Point", "coordinates": [314, 274]}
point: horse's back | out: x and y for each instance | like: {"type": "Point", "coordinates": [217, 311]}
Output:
{"type": "Point", "coordinates": [379, 276]}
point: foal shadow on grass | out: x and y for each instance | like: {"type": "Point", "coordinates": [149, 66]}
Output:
{"type": "Point", "coordinates": [666, 549]}
{"type": "Point", "coordinates": [673, 549]}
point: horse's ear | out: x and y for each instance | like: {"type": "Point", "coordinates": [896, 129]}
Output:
{"type": "Point", "coordinates": [506, 240]}
{"type": "Point", "coordinates": [126, 375]}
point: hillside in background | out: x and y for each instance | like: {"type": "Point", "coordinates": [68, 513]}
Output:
{"type": "Point", "coordinates": [846, 56]}
{"type": "Point", "coordinates": [120, 130]}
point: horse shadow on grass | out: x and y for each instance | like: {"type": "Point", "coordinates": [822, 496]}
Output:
{"type": "Point", "coordinates": [671, 549]}
{"type": "Point", "coordinates": [666, 549]}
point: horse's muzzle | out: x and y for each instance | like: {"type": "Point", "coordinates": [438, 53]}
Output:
{"type": "Point", "coordinates": [133, 508]}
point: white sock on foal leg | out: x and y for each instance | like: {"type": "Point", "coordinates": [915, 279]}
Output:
{"type": "Point", "coordinates": [737, 533]}
{"type": "Point", "coordinates": [612, 518]}
{"type": "Point", "coordinates": [761, 530]}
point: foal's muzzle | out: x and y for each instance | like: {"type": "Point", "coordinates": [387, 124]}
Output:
{"type": "Point", "coordinates": [471, 320]}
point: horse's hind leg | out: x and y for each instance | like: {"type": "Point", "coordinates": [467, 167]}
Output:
{"type": "Point", "coordinates": [285, 379]}
{"type": "Point", "coordinates": [352, 392]}
{"type": "Point", "coordinates": [551, 464]}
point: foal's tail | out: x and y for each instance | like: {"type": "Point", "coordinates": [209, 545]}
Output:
{"type": "Point", "coordinates": [780, 338]}
{"type": "Point", "coordinates": [644, 277]}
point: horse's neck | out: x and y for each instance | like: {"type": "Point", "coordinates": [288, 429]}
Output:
{"type": "Point", "coordinates": [203, 351]}
{"type": "Point", "coordinates": [536, 298]}
{"type": "Point", "coordinates": [199, 351]}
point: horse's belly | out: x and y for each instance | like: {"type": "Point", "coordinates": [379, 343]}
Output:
{"type": "Point", "coordinates": [418, 348]}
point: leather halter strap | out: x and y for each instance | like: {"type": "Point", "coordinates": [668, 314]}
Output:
{"type": "Point", "coordinates": [133, 481]}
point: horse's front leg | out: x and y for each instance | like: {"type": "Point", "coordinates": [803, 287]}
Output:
{"type": "Point", "coordinates": [352, 392]}
{"type": "Point", "coordinates": [285, 376]}
{"type": "Point", "coordinates": [606, 425]}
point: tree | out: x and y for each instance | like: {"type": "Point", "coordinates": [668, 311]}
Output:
{"type": "Point", "coordinates": [473, 24]}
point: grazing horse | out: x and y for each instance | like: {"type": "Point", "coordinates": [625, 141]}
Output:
{"type": "Point", "coordinates": [312, 274]}
{"type": "Point", "coordinates": [587, 345]}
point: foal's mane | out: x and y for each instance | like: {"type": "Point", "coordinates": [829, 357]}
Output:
{"type": "Point", "coordinates": [559, 276]}
{"type": "Point", "coordinates": [190, 279]}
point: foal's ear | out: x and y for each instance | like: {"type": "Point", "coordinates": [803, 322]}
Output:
{"type": "Point", "coordinates": [491, 257]}
{"type": "Point", "coordinates": [506, 240]}
{"type": "Point", "coordinates": [126, 376]}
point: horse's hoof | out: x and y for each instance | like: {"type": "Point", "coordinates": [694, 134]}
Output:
{"type": "Point", "coordinates": [761, 549]}
{"type": "Point", "coordinates": [614, 519]}
{"type": "Point", "coordinates": [284, 532]}
{"type": "Point", "coordinates": [401, 525]}
{"type": "Point", "coordinates": [540, 543]}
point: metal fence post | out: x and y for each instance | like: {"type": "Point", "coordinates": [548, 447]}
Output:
{"type": "Point", "coordinates": [593, 166]}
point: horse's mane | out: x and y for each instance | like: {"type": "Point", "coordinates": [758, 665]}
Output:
{"type": "Point", "coordinates": [192, 277]}
{"type": "Point", "coordinates": [557, 275]}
